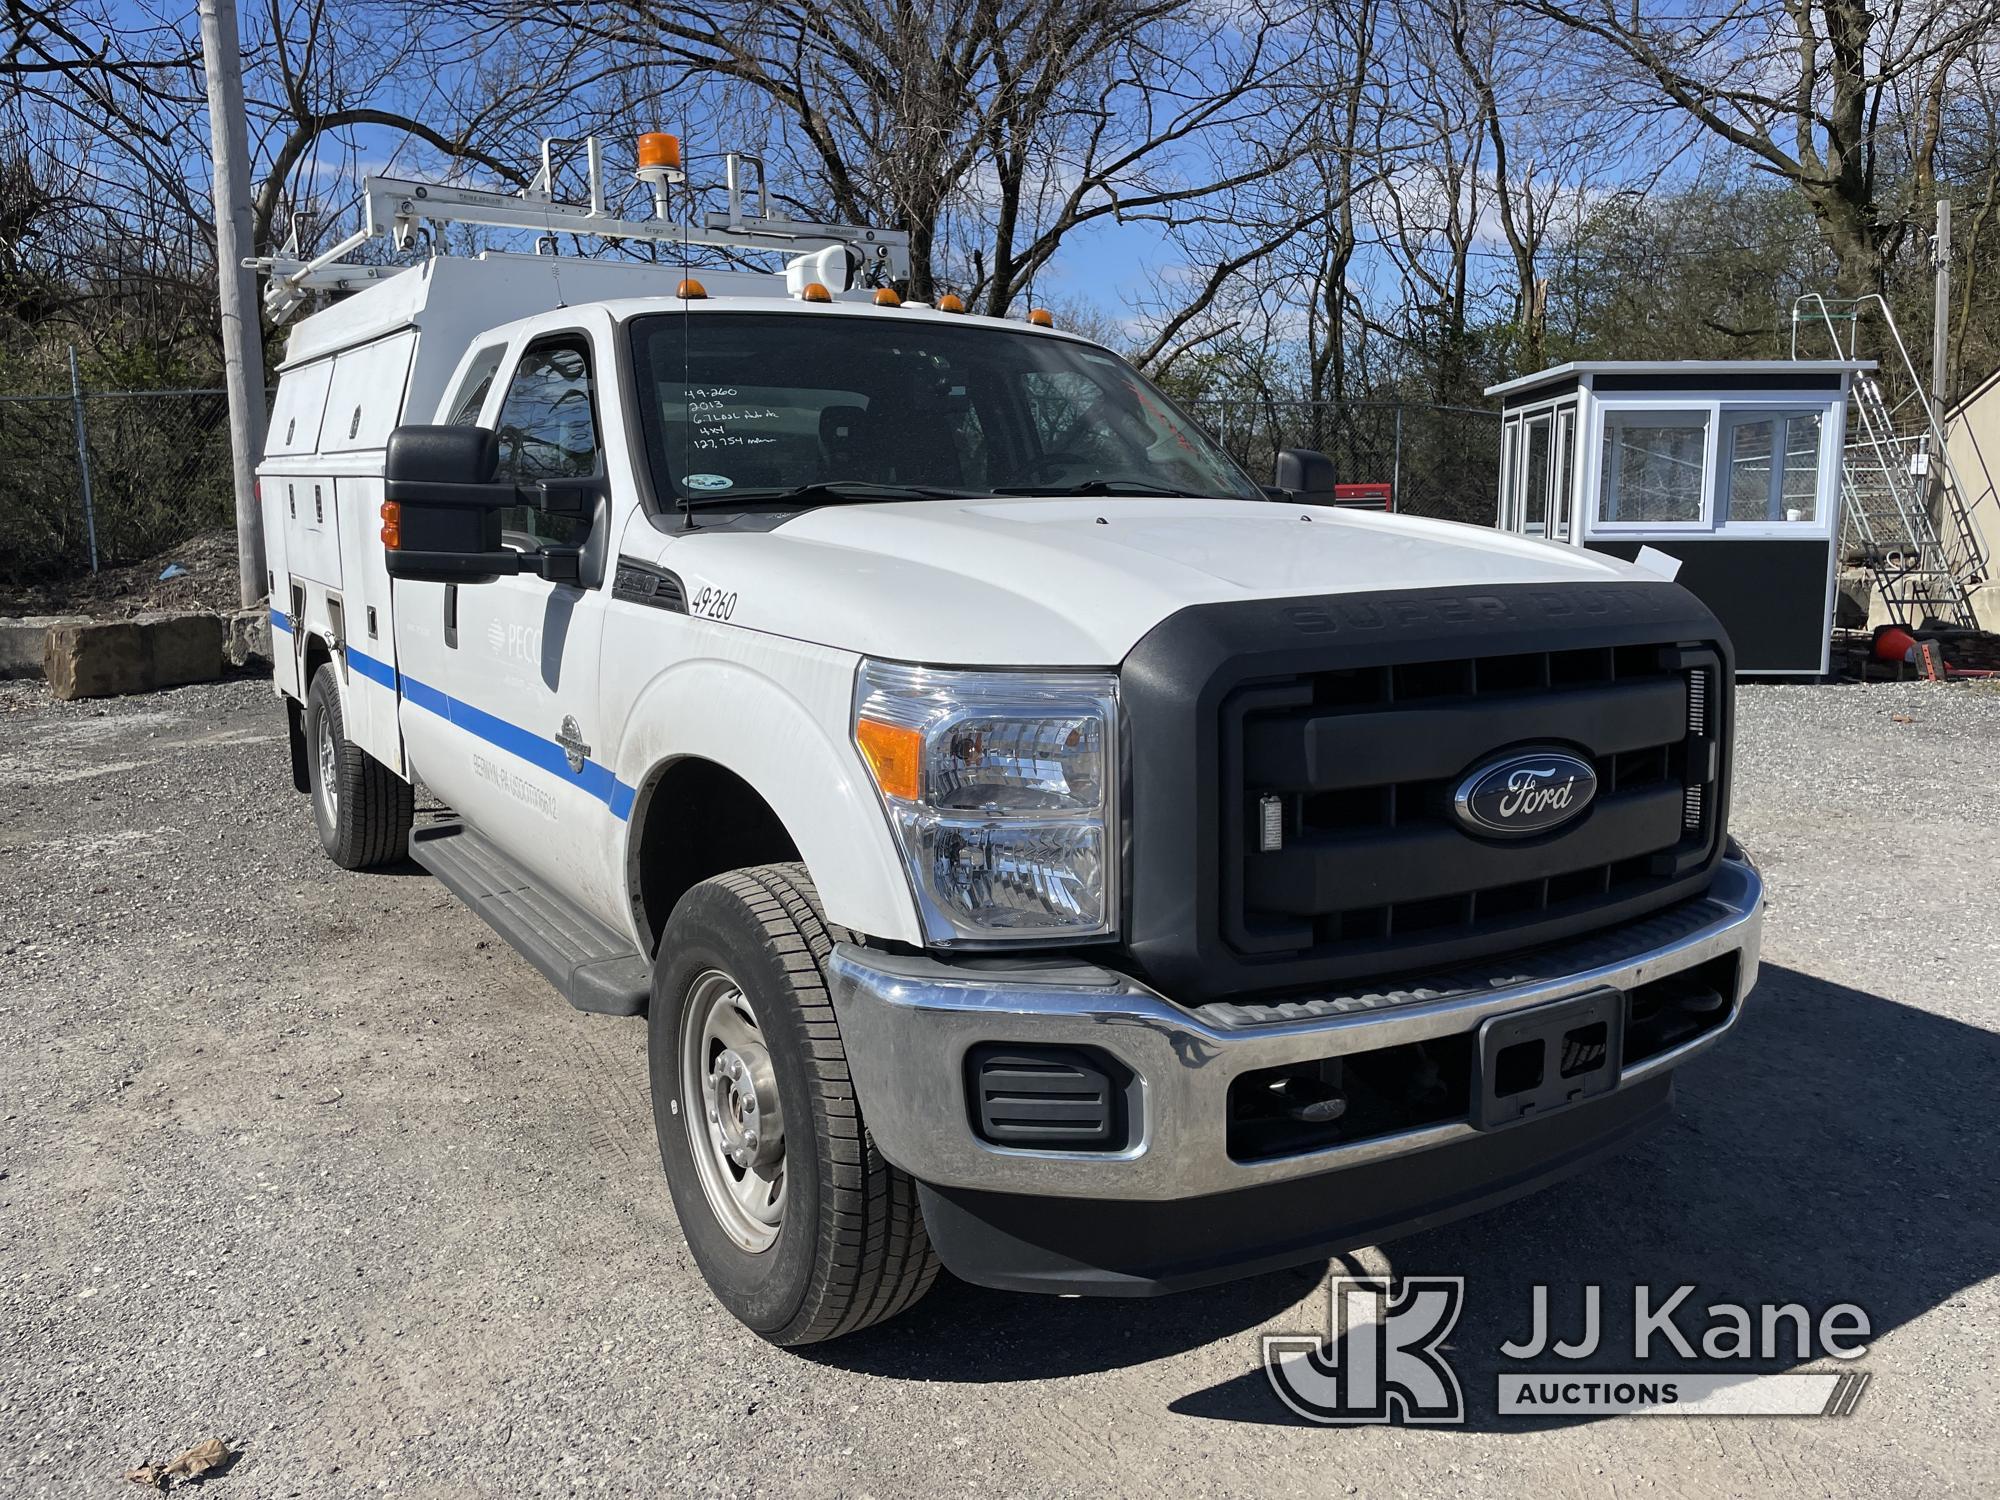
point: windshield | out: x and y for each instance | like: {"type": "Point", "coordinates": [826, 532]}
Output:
{"type": "Point", "coordinates": [737, 405]}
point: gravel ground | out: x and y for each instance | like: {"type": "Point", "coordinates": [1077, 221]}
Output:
{"type": "Point", "coordinates": [311, 1162]}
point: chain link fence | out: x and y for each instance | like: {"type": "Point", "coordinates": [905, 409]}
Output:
{"type": "Point", "coordinates": [1443, 461]}
{"type": "Point", "coordinates": [101, 478]}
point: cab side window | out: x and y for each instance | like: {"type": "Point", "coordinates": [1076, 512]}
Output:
{"type": "Point", "coordinates": [472, 390]}
{"type": "Point", "coordinates": [548, 430]}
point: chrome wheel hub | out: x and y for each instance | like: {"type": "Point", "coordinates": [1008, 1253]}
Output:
{"type": "Point", "coordinates": [736, 1127]}
{"type": "Point", "coordinates": [329, 771]}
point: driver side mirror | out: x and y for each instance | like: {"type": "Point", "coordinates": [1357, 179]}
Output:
{"type": "Point", "coordinates": [441, 505]}
{"type": "Point", "coordinates": [1305, 476]}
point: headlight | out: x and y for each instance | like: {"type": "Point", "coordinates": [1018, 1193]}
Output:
{"type": "Point", "coordinates": [1000, 788]}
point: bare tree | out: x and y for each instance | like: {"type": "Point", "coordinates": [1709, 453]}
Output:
{"type": "Point", "coordinates": [990, 130]}
{"type": "Point", "coordinates": [1808, 88]}
{"type": "Point", "coordinates": [1544, 143]}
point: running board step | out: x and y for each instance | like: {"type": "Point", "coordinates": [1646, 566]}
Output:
{"type": "Point", "coordinates": [586, 961]}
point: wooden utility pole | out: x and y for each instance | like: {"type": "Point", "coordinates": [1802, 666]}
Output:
{"type": "Point", "coordinates": [242, 331]}
{"type": "Point", "coordinates": [1941, 316]}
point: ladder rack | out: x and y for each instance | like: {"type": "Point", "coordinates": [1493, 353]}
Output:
{"type": "Point", "coordinates": [396, 208]}
{"type": "Point", "coordinates": [1910, 513]}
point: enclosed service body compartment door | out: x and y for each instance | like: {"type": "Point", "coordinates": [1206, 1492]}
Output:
{"type": "Point", "coordinates": [300, 492]}
{"type": "Point", "coordinates": [291, 443]}
{"type": "Point", "coordinates": [365, 399]}
{"type": "Point", "coordinates": [295, 414]}
{"type": "Point", "coordinates": [363, 405]}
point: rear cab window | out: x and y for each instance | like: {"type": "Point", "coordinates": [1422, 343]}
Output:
{"type": "Point", "coordinates": [473, 386]}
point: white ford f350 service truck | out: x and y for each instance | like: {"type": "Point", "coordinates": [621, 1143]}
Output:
{"type": "Point", "coordinates": [1035, 846]}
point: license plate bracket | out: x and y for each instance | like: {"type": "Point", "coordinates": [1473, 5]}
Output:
{"type": "Point", "coordinates": [1538, 1061]}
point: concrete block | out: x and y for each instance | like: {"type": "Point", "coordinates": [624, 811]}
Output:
{"type": "Point", "coordinates": [95, 659]}
{"type": "Point", "coordinates": [249, 640]}
{"type": "Point", "coordinates": [103, 659]}
{"type": "Point", "coordinates": [1855, 594]}
{"type": "Point", "coordinates": [1986, 607]}
{"type": "Point", "coordinates": [23, 640]}
{"type": "Point", "coordinates": [182, 648]}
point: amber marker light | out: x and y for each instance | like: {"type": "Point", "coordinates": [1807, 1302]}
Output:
{"type": "Point", "coordinates": [1041, 317]}
{"type": "Point", "coordinates": [691, 290]}
{"type": "Point", "coordinates": [814, 292]}
{"type": "Point", "coordinates": [392, 524]}
{"type": "Point", "coordinates": [886, 297]}
{"type": "Point", "coordinates": [895, 757]}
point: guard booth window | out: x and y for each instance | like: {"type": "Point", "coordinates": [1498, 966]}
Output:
{"type": "Point", "coordinates": [1559, 499]}
{"type": "Point", "coordinates": [1535, 477]}
{"type": "Point", "coordinates": [1653, 467]}
{"type": "Point", "coordinates": [548, 430]}
{"type": "Point", "coordinates": [1771, 465]}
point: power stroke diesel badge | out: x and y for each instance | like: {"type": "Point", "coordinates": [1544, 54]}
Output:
{"type": "Point", "coordinates": [1525, 792]}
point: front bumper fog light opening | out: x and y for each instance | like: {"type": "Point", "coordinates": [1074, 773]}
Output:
{"type": "Point", "coordinates": [1031, 1098]}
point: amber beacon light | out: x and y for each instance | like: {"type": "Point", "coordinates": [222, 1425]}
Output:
{"type": "Point", "coordinates": [659, 151]}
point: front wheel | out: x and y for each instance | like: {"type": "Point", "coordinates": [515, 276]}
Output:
{"type": "Point", "coordinates": [801, 1228]}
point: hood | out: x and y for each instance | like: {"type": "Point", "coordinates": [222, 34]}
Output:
{"type": "Point", "coordinates": [1077, 582]}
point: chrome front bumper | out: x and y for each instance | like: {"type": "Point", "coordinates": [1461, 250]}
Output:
{"type": "Point", "coordinates": [907, 1024]}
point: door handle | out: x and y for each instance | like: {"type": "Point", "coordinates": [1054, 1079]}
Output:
{"type": "Point", "coordinates": [451, 616]}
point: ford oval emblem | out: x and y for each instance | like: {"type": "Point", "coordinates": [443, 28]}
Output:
{"type": "Point", "coordinates": [1525, 792]}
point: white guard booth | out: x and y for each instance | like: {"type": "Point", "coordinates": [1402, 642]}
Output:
{"type": "Point", "coordinates": [1730, 467]}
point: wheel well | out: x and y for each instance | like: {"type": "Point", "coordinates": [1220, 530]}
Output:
{"type": "Point", "coordinates": [699, 819]}
{"type": "Point", "coordinates": [317, 655]}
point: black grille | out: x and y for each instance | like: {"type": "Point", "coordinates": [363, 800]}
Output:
{"type": "Point", "coordinates": [1327, 793]}
{"type": "Point", "coordinates": [1360, 764]}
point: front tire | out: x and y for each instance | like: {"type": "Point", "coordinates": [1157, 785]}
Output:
{"type": "Point", "coordinates": [362, 809]}
{"type": "Point", "coordinates": [800, 1227]}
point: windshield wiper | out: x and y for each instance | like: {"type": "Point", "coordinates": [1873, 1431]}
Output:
{"type": "Point", "coordinates": [824, 492]}
{"type": "Point", "coordinates": [1099, 487]}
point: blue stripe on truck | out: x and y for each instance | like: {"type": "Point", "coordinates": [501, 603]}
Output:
{"type": "Point", "coordinates": [373, 670]}
{"type": "Point", "coordinates": [594, 779]}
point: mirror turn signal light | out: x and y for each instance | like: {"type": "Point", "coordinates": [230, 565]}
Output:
{"type": "Point", "coordinates": [392, 524]}
{"type": "Point", "coordinates": [894, 754]}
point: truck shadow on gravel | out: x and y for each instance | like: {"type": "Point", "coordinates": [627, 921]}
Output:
{"type": "Point", "coordinates": [1837, 1148]}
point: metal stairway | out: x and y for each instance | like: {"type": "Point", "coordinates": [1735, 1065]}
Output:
{"type": "Point", "coordinates": [1909, 513]}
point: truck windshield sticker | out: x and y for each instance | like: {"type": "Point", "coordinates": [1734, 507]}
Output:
{"type": "Point", "coordinates": [718, 414]}
{"type": "Point", "coordinates": [708, 481]}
